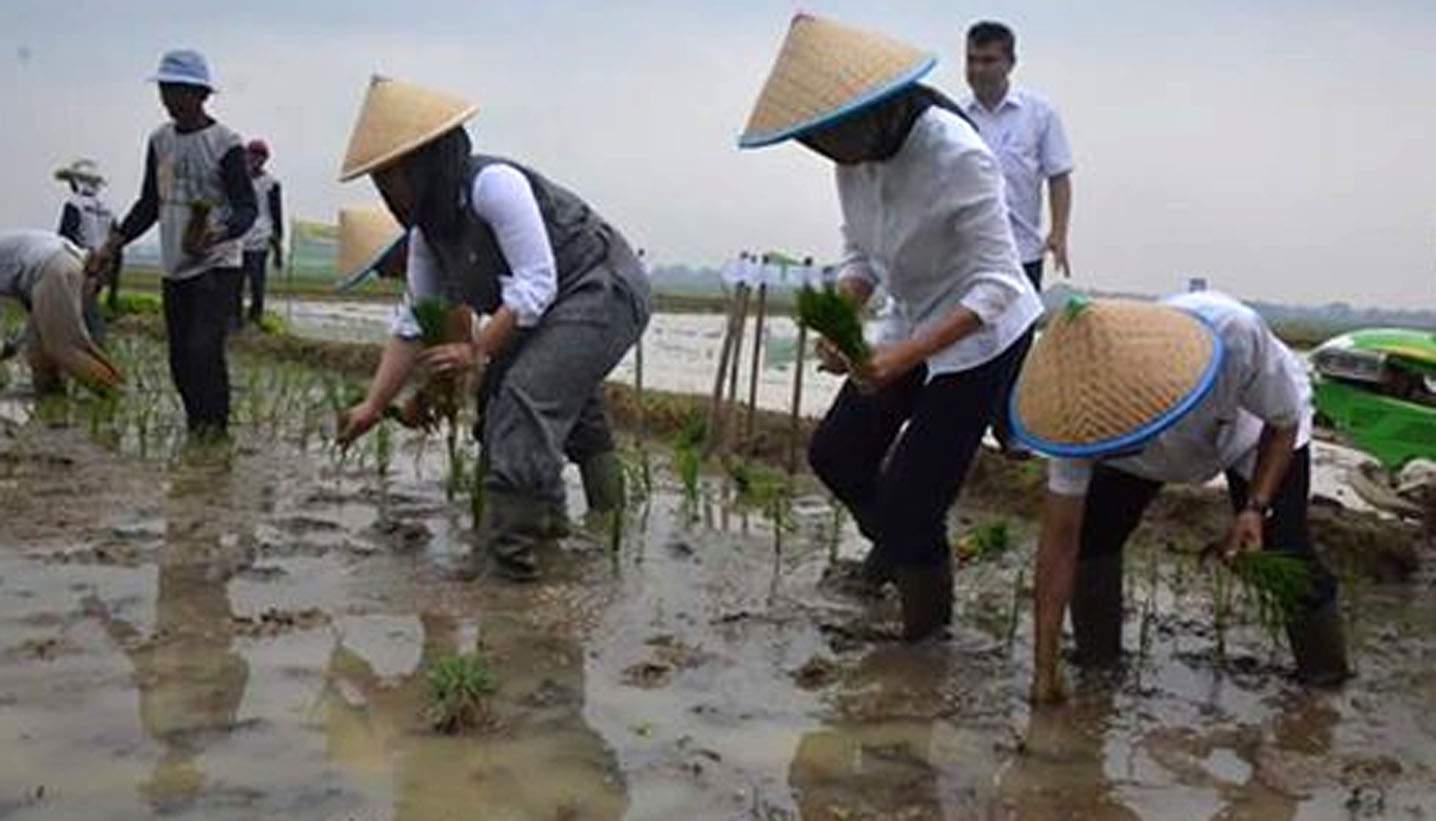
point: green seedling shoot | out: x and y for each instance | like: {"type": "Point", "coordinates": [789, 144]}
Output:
{"type": "Point", "coordinates": [459, 687]}
{"type": "Point", "coordinates": [836, 319]}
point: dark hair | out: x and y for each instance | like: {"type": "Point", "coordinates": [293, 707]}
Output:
{"type": "Point", "coordinates": [436, 173]}
{"type": "Point", "coordinates": [987, 32]}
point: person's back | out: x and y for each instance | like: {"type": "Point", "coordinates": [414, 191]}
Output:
{"type": "Point", "coordinates": [23, 255]}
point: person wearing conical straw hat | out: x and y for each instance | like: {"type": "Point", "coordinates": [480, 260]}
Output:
{"type": "Point", "coordinates": [923, 218]}
{"type": "Point", "coordinates": [565, 296]}
{"type": "Point", "coordinates": [371, 243]}
{"type": "Point", "coordinates": [1126, 396]}
{"type": "Point", "coordinates": [46, 273]}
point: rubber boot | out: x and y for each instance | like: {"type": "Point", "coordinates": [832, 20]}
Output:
{"type": "Point", "coordinates": [1318, 641]}
{"type": "Point", "coordinates": [513, 526]}
{"type": "Point", "coordinates": [602, 482]}
{"type": "Point", "coordinates": [926, 599]}
{"type": "Point", "coordinates": [1097, 610]}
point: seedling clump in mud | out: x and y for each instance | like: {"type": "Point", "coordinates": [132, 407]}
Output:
{"type": "Point", "coordinates": [459, 687]}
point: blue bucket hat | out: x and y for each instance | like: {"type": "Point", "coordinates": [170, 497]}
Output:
{"type": "Point", "coordinates": [184, 67]}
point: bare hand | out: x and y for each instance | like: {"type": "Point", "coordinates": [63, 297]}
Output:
{"type": "Point", "coordinates": [451, 358]}
{"type": "Point", "coordinates": [1245, 535]}
{"type": "Point", "coordinates": [99, 261]}
{"type": "Point", "coordinates": [355, 422]}
{"type": "Point", "coordinates": [830, 359]}
{"type": "Point", "coordinates": [1057, 247]}
{"type": "Point", "coordinates": [886, 366]}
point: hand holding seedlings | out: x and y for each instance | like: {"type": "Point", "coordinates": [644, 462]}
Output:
{"type": "Point", "coordinates": [1244, 536]}
{"type": "Point", "coordinates": [355, 422]}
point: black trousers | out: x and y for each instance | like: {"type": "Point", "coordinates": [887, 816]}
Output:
{"type": "Point", "coordinates": [196, 321]}
{"type": "Point", "coordinates": [1116, 501]}
{"type": "Point", "coordinates": [256, 268]}
{"type": "Point", "coordinates": [897, 459]}
{"type": "Point", "coordinates": [1001, 426]}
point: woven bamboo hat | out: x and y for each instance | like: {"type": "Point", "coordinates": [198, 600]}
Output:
{"type": "Point", "coordinates": [396, 118]}
{"type": "Point", "coordinates": [86, 170]}
{"type": "Point", "coordinates": [366, 237]}
{"type": "Point", "coordinates": [1108, 375]}
{"type": "Point", "coordinates": [824, 71]}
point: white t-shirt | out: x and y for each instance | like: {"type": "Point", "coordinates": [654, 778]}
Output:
{"type": "Point", "coordinates": [1026, 134]}
{"type": "Point", "coordinates": [1260, 382]}
{"type": "Point", "coordinates": [503, 198]}
{"type": "Point", "coordinates": [929, 225]}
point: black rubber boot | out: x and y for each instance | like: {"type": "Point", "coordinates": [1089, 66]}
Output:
{"type": "Point", "coordinates": [1097, 610]}
{"type": "Point", "coordinates": [926, 599]}
{"type": "Point", "coordinates": [1318, 641]}
{"type": "Point", "coordinates": [512, 527]}
{"type": "Point", "coordinates": [602, 482]}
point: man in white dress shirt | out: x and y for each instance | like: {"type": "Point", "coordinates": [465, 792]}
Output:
{"type": "Point", "coordinates": [1025, 133]}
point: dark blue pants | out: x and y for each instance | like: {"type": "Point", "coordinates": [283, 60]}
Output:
{"type": "Point", "coordinates": [897, 459]}
{"type": "Point", "coordinates": [197, 312]}
{"type": "Point", "coordinates": [1116, 501]}
{"type": "Point", "coordinates": [1001, 426]}
{"type": "Point", "coordinates": [256, 268]}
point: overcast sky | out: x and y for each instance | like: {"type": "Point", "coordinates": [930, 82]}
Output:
{"type": "Point", "coordinates": [1283, 149]}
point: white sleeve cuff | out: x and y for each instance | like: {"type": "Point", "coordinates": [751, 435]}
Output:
{"type": "Point", "coordinates": [1069, 477]}
{"type": "Point", "coordinates": [988, 299]}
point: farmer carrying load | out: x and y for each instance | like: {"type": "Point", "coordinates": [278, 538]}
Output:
{"type": "Point", "coordinates": [46, 273]}
{"type": "Point", "coordinates": [923, 218]}
{"type": "Point", "coordinates": [565, 295]}
{"type": "Point", "coordinates": [1126, 396]}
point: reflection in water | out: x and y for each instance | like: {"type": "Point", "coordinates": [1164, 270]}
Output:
{"type": "Point", "coordinates": [1061, 770]}
{"type": "Point", "coordinates": [540, 761]}
{"type": "Point", "coordinates": [870, 764]}
{"type": "Point", "coordinates": [190, 679]}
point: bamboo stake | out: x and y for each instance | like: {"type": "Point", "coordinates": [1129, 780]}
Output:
{"type": "Point", "coordinates": [757, 363]}
{"type": "Point", "coordinates": [797, 400]}
{"type": "Point", "coordinates": [730, 423]}
{"type": "Point", "coordinates": [716, 403]}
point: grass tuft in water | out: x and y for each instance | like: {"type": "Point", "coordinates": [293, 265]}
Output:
{"type": "Point", "coordinates": [984, 541]}
{"type": "Point", "coordinates": [459, 687]}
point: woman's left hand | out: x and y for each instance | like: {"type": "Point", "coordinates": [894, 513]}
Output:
{"type": "Point", "coordinates": [454, 357]}
{"type": "Point", "coordinates": [886, 366]}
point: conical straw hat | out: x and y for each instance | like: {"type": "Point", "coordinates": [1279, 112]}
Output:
{"type": "Point", "coordinates": [397, 118]}
{"type": "Point", "coordinates": [366, 236]}
{"type": "Point", "coordinates": [824, 71]}
{"type": "Point", "coordinates": [1107, 375]}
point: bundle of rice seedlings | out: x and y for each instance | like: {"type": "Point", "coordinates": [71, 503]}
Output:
{"type": "Point", "coordinates": [836, 319]}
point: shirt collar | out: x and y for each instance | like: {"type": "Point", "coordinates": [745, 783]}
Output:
{"type": "Point", "coordinates": [1013, 98]}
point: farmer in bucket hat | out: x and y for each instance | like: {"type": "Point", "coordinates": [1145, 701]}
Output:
{"type": "Point", "coordinates": [924, 219]}
{"type": "Point", "coordinates": [565, 297]}
{"type": "Point", "coordinates": [197, 187]}
{"type": "Point", "coordinates": [46, 273]}
{"type": "Point", "coordinates": [1126, 396]}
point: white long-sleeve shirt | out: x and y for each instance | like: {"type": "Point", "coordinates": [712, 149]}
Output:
{"type": "Point", "coordinates": [503, 198]}
{"type": "Point", "coordinates": [1260, 382]}
{"type": "Point", "coordinates": [929, 225]}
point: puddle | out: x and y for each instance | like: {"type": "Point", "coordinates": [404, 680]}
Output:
{"type": "Point", "coordinates": [246, 632]}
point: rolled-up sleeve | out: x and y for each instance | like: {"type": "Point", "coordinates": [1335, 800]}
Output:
{"type": "Point", "coordinates": [1054, 155]}
{"type": "Point", "coordinates": [979, 219]}
{"type": "Point", "coordinates": [503, 198]}
{"type": "Point", "coordinates": [1270, 389]}
{"type": "Point", "coordinates": [422, 276]}
{"type": "Point", "coordinates": [1069, 477]}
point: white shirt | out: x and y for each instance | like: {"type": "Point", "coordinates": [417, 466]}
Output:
{"type": "Point", "coordinates": [929, 226]}
{"type": "Point", "coordinates": [1260, 382]}
{"type": "Point", "coordinates": [258, 236]}
{"type": "Point", "coordinates": [23, 256]}
{"type": "Point", "coordinates": [1025, 133]}
{"type": "Point", "coordinates": [96, 220]}
{"type": "Point", "coordinates": [503, 198]}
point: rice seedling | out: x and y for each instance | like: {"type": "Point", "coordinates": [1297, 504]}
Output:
{"type": "Point", "coordinates": [687, 456]}
{"type": "Point", "coordinates": [984, 541]}
{"type": "Point", "coordinates": [835, 317]}
{"type": "Point", "coordinates": [1274, 583]}
{"type": "Point", "coordinates": [383, 448]}
{"type": "Point", "coordinates": [459, 687]}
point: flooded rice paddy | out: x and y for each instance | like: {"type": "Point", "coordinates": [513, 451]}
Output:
{"type": "Point", "coordinates": [245, 631]}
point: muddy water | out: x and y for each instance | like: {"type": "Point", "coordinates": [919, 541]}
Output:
{"type": "Point", "coordinates": [243, 632]}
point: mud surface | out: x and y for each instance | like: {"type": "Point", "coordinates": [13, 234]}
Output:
{"type": "Point", "coordinates": [244, 631]}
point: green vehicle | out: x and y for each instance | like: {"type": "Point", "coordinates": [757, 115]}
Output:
{"type": "Point", "coordinates": [1378, 388]}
